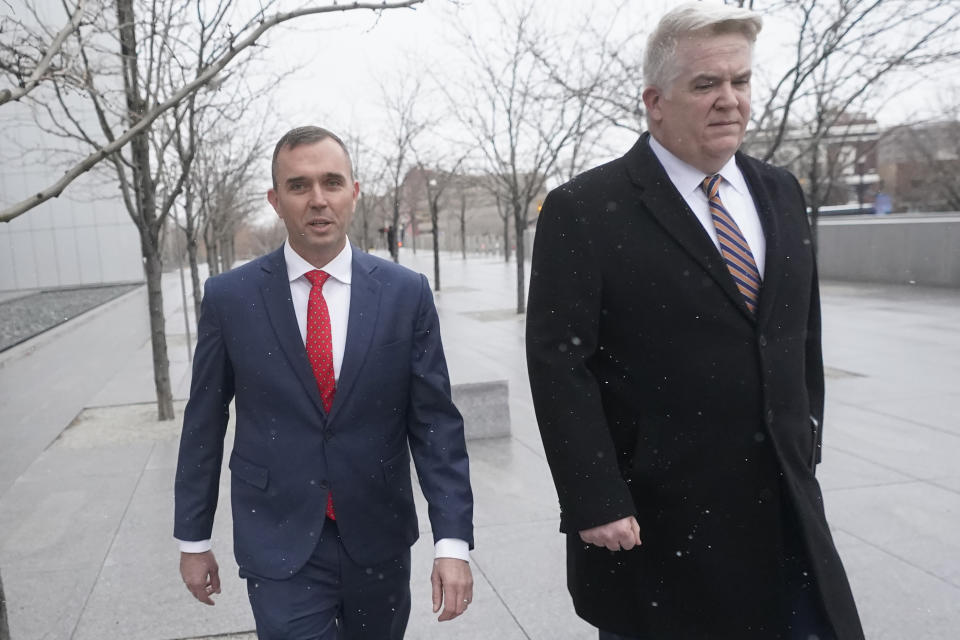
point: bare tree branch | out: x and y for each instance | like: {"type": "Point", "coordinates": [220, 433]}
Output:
{"type": "Point", "coordinates": [202, 79]}
{"type": "Point", "coordinates": [43, 66]}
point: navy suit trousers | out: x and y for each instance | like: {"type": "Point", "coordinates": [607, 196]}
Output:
{"type": "Point", "coordinates": [333, 598]}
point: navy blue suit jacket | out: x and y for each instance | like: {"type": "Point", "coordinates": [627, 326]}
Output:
{"type": "Point", "coordinates": [393, 399]}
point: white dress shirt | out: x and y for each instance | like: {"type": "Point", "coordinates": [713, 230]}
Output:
{"type": "Point", "coordinates": [733, 192]}
{"type": "Point", "coordinates": [336, 293]}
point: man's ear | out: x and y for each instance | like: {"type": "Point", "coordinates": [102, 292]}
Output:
{"type": "Point", "coordinates": [272, 199]}
{"type": "Point", "coordinates": [652, 100]}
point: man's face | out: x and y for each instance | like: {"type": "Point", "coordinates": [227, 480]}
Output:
{"type": "Point", "coordinates": [315, 197]}
{"type": "Point", "coordinates": [702, 115]}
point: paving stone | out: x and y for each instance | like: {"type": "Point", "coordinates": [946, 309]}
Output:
{"type": "Point", "coordinates": [85, 512]}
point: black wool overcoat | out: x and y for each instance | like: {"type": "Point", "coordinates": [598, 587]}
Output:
{"type": "Point", "coordinates": [659, 395]}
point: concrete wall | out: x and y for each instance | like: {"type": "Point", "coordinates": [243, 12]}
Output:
{"type": "Point", "coordinates": [83, 237]}
{"type": "Point", "coordinates": [908, 249]}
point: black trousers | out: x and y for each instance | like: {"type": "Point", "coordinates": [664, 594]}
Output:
{"type": "Point", "coordinates": [333, 598]}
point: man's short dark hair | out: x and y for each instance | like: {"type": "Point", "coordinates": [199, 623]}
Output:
{"type": "Point", "coordinates": [306, 135]}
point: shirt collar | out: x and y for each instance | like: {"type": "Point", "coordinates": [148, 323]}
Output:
{"type": "Point", "coordinates": [340, 268]}
{"type": "Point", "coordinates": [688, 179]}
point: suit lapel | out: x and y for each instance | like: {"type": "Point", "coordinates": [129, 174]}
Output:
{"type": "Point", "coordinates": [364, 305]}
{"type": "Point", "coordinates": [769, 220]}
{"type": "Point", "coordinates": [275, 288]}
{"type": "Point", "coordinates": [670, 210]}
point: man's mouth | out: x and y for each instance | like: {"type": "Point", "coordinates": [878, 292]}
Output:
{"type": "Point", "coordinates": [318, 223]}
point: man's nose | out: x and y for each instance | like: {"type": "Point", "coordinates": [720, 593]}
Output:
{"type": "Point", "coordinates": [318, 198]}
{"type": "Point", "coordinates": [727, 98]}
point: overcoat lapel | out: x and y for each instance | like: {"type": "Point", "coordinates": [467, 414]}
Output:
{"type": "Point", "coordinates": [770, 222]}
{"type": "Point", "coordinates": [670, 210]}
{"type": "Point", "coordinates": [364, 305]}
{"type": "Point", "coordinates": [275, 288]}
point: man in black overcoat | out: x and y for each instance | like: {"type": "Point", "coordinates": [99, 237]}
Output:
{"type": "Point", "coordinates": [673, 346]}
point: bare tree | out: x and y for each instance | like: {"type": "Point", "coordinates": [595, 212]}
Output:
{"type": "Point", "coordinates": [404, 124]}
{"type": "Point", "coordinates": [266, 236]}
{"type": "Point", "coordinates": [124, 64]}
{"type": "Point", "coordinates": [437, 180]}
{"type": "Point", "coordinates": [520, 129]}
{"type": "Point", "coordinates": [599, 75]}
{"type": "Point", "coordinates": [370, 169]}
{"type": "Point", "coordinates": [844, 51]}
{"type": "Point", "coordinates": [462, 217]}
{"type": "Point", "coordinates": [843, 57]}
{"type": "Point", "coordinates": [32, 56]}
{"type": "Point", "coordinates": [228, 195]}
{"type": "Point", "coordinates": [920, 163]}
{"type": "Point", "coordinates": [221, 192]}
{"type": "Point", "coordinates": [493, 186]}
{"type": "Point", "coordinates": [235, 39]}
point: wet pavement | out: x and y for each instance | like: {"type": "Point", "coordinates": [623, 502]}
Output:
{"type": "Point", "coordinates": [86, 472]}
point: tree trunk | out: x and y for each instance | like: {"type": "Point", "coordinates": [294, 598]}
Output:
{"type": "Point", "coordinates": [394, 250]}
{"type": "Point", "coordinates": [366, 232]}
{"type": "Point", "coordinates": [520, 223]}
{"type": "Point", "coordinates": [506, 238]}
{"type": "Point", "coordinates": [153, 269]}
{"type": "Point", "coordinates": [145, 215]}
{"type": "Point", "coordinates": [413, 233]}
{"type": "Point", "coordinates": [190, 230]}
{"type": "Point", "coordinates": [435, 215]}
{"type": "Point", "coordinates": [463, 226]}
{"type": "Point", "coordinates": [194, 276]}
{"type": "Point", "coordinates": [213, 256]}
{"type": "Point", "coordinates": [227, 253]}
{"type": "Point", "coordinates": [814, 176]}
{"type": "Point", "coordinates": [4, 628]}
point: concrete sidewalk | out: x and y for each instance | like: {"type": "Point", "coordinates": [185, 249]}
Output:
{"type": "Point", "coordinates": [85, 511]}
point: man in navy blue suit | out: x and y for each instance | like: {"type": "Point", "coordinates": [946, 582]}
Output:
{"type": "Point", "coordinates": [334, 360]}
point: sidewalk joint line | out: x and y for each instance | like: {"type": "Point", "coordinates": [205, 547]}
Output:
{"type": "Point", "coordinates": [917, 423]}
{"type": "Point", "coordinates": [499, 597]}
{"type": "Point", "coordinates": [113, 541]}
{"type": "Point", "coordinates": [900, 558]}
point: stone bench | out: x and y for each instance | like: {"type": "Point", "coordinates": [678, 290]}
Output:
{"type": "Point", "coordinates": [485, 408]}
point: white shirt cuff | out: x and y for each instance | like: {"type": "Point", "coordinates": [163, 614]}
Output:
{"type": "Point", "coordinates": [444, 548]}
{"type": "Point", "coordinates": [197, 546]}
{"type": "Point", "coordinates": [452, 548]}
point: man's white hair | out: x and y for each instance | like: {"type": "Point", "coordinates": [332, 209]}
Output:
{"type": "Point", "coordinates": [691, 19]}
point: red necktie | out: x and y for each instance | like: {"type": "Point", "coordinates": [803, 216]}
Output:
{"type": "Point", "coordinates": [320, 348]}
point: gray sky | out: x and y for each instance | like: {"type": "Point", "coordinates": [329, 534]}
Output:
{"type": "Point", "coordinates": [346, 57]}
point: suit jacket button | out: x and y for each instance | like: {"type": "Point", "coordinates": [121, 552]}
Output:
{"type": "Point", "coordinates": [770, 416]}
{"type": "Point", "coordinates": [324, 485]}
{"type": "Point", "coordinates": [327, 434]}
{"type": "Point", "coordinates": [763, 341]}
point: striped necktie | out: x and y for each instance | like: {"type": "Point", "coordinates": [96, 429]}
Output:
{"type": "Point", "coordinates": [733, 246]}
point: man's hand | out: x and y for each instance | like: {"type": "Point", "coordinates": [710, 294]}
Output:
{"type": "Point", "coordinates": [452, 587]}
{"type": "Point", "coordinates": [616, 535]}
{"type": "Point", "coordinates": [200, 573]}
